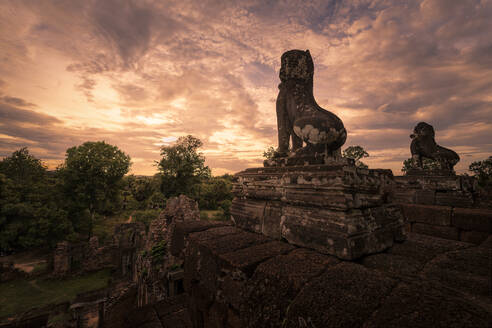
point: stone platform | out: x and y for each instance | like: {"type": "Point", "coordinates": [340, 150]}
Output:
{"type": "Point", "coordinates": [336, 209]}
{"type": "Point", "coordinates": [236, 278]}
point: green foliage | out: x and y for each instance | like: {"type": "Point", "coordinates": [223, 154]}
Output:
{"type": "Point", "coordinates": [145, 216]}
{"type": "Point", "coordinates": [269, 153]}
{"type": "Point", "coordinates": [30, 215]}
{"type": "Point", "coordinates": [92, 178]}
{"type": "Point", "coordinates": [158, 252]}
{"type": "Point", "coordinates": [23, 168]}
{"type": "Point", "coordinates": [427, 164]}
{"type": "Point", "coordinates": [225, 205]}
{"type": "Point", "coordinates": [212, 191]}
{"type": "Point", "coordinates": [181, 167]}
{"type": "Point", "coordinates": [204, 214]}
{"type": "Point", "coordinates": [21, 295]}
{"type": "Point", "coordinates": [175, 267]}
{"type": "Point", "coordinates": [356, 153]}
{"type": "Point", "coordinates": [482, 171]}
{"type": "Point", "coordinates": [103, 226]}
{"type": "Point", "coordinates": [157, 201]}
{"type": "Point", "coordinates": [140, 187]}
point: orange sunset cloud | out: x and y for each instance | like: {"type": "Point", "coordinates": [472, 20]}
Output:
{"type": "Point", "coordinates": [139, 74]}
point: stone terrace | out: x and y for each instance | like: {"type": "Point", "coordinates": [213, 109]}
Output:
{"type": "Point", "coordinates": [235, 278]}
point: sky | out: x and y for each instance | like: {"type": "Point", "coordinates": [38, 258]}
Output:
{"type": "Point", "coordinates": [139, 74]}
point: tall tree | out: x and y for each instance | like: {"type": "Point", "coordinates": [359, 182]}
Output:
{"type": "Point", "coordinates": [356, 153]}
{"type": "Point", "coordinates": [181, 166]}
{"type": "Point", "coordinates": [30, 215]}
{"type": "Point", "coordinates": [92, 176]}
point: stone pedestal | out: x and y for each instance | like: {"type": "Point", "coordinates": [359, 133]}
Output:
{"type": "Point", "coordinates": [333, 208]}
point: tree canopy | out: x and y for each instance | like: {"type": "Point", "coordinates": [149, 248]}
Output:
{"type": "Point", "coordinates": [482, 171]}
{"type": "Point", "coordinates": [92, 176]}
{"type": "Point", "coordinates": [29, 212]}
{"type": "Point", "coordinates": [356, 153]}
{"type": "Point", "coordinates": [182, 166]}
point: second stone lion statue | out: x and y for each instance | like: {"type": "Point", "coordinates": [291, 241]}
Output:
{"type": "Point", "coordinates": [424, 146]}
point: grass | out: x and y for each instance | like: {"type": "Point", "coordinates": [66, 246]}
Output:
{"type": "Point", "coordinates": [103, 226]}
{"type": "Point", "coordinates": [209, 213]}
{"type": "Point", "coordinates": [40, 268]}
{"type": "Point", "coordinates": [18, 296]}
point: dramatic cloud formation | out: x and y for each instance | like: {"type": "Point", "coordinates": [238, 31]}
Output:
{"type": "Point", "coordinates": [139, 74]}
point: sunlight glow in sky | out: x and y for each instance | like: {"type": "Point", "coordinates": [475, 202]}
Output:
{"type": "Point", "coordinates": [139, 74]}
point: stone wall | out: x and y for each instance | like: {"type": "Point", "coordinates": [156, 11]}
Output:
{"type": "Point", "coordinates": [157, 267]}
{"type": "Point", "coordinates": [455, 191]}
{"type": "Point", "coordinates": [444, 206]}
{"type": "Point", "coordinates": [89, 256]}
{"type": "Point", "coordinates": [235, 278]}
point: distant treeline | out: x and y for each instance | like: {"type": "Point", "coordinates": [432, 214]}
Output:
{"type": "Point", "coordinates": [39, 208]}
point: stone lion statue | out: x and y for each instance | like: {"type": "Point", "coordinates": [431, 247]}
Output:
{"type": "Point", "coordinates": [424, 146]}
{"type": "Point", "coordinates": [299, 116]}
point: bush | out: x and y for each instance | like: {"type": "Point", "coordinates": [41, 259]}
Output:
{"type": "Point", "coordinates": [145, 216]}
{"type": "Point", "coordinates": [158, 252]}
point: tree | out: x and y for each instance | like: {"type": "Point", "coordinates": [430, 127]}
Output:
{"type": "Point", "coordinates": [427, 164]}
{"type": "Point", "coordinates": [269, 153]}
{"type": "Point", "coordinates": [30, 215]}
{"type": "Point", "coordinates": [356, 153]}
{"type": "Point", "coordinates": [182, 167]}
{"type": "Point", "coordinates": [141, 188]}
{"type": "Point", "coordinates": [92, 177]}
{"type": "Point", "coordinates": [23, 168]}
{"type": "Point", "coordinates": [211, 192]}
{"type": "Point", "coordinates": [482, 171]}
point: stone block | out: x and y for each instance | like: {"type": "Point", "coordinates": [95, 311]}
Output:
{"type": "Point", "coordinates": [487, 243]}
{"type": "Point", "coordinates": [421, 304]}
{"type": "Point", "coordinates": [425, 197]}
{"type": "Point", "coordinates": [248, 214]}
{"type": "Point", "coordinates": [271, 220]}
{"type": "Point", "coordinates": [424, 248]}
{"type": "Point", "coordinates": [446, 183]}
{"type": "Point", "coordinates": [345, 295]}
{"type": "Point", "coordinates": [455, 199]}
{"type": "Point", "coordinates": [307, 196]}
{"type": "Point", "coordinates": [435, 215]}
{"type": "Point", "coordinates": [467, 270]}
{"type": "Point", "coordinates": [275, 284]}
{"type": "Point", "coordinates": [472, 219]}
{"type": "Point", "coordinates": [474, 237]}
{"type": "Point", "coordinates": [336, 209]}
{"type": "Point", "coordinates": [393, 265]}
{"type": "Point", "coordinates": [233, 320]}
{"type": "Point", "coordinates": [437, 231]}
{"type": "Point", "coordinates": [183, 229]}
{"type": "Point", "coordinates": [204, 252]}
{"type": "Point", "coordinates": [404, 196]}
{"type": "Point", "coordinates": [246, 260]}
{"type": "Point", "coordinates": [345, 235]}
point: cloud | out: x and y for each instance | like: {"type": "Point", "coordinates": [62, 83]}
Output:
{"type": "Point", "coordinates": [142, 71]}
{"type": "Point", "coordinates": [16, 101]}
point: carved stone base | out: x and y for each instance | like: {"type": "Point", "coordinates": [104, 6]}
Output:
{"type": "Point", "coordinates": [336, 209]}
{"type": "Point", "coordinates": [311, 159]}
{"type": "Point", "coordinates": [436, 172]}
